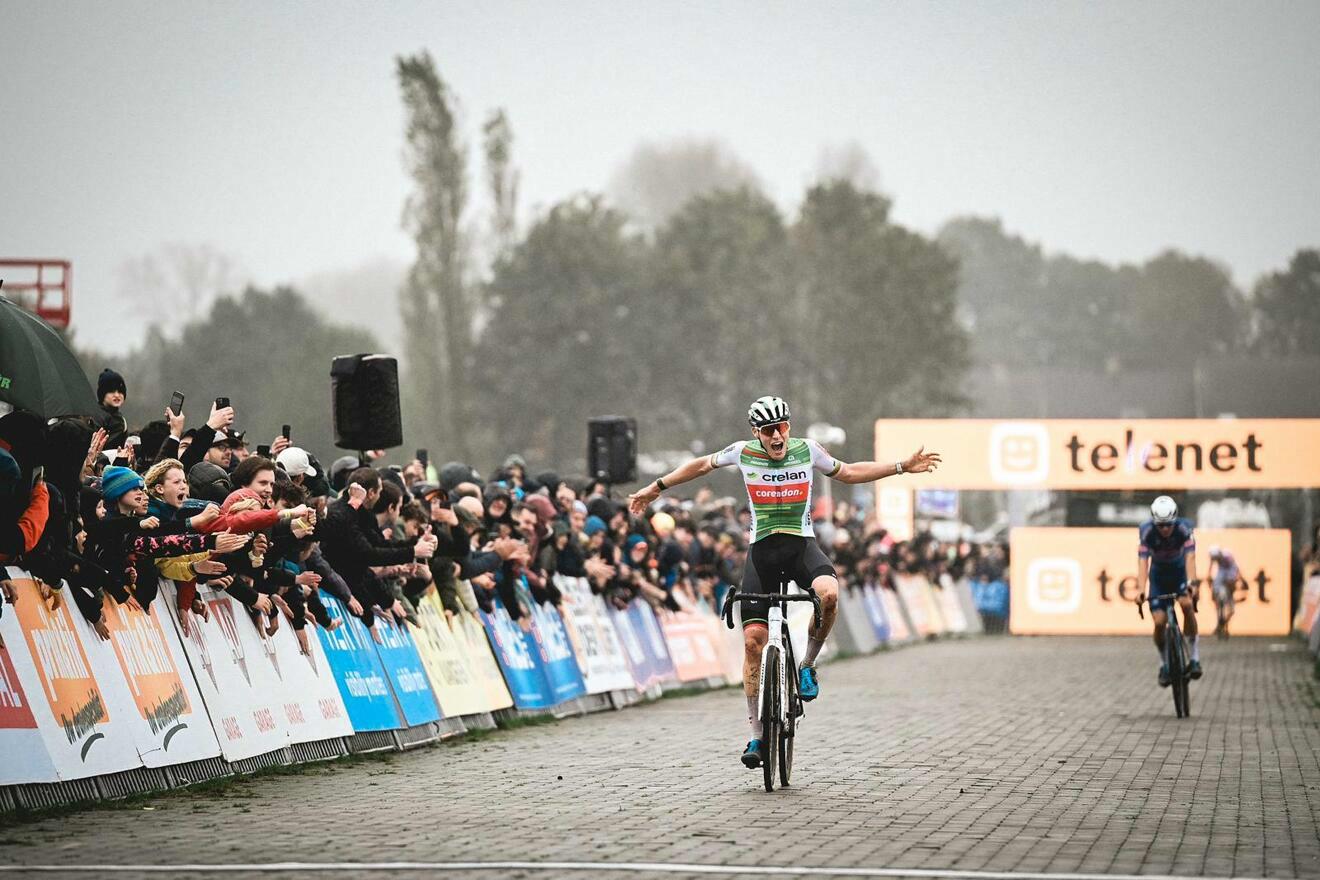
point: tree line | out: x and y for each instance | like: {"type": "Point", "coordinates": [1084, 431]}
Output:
{"type": "Point", "coordinates": [689, 305]}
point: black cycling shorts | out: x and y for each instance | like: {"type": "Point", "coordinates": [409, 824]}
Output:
{"type": "Point", "coordinates": [775, 560]}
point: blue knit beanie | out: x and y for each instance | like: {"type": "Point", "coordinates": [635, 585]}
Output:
{"type": "Point", "coordinates": [594, 524]}
{"type": "Point", "coordinates": [117, 482]}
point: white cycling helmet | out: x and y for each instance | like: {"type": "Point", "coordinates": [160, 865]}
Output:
{"type": "Point", "coordinates": [1164, 509]}
{"type": "Point", "coordinates": [1216, 553]}
{"type": "Point", "coordinates": [767, 411]}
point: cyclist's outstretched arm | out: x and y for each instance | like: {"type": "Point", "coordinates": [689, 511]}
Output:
{"type": "Point", "coordinates": [686, 472]}
{"type": "Point", "coordinates": [918, 462]}
{"type": "Point", "coordinates": [1143, 574]}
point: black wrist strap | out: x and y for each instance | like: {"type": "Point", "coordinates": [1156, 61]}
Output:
{"type": "Point", "coordinates": [660, 484]}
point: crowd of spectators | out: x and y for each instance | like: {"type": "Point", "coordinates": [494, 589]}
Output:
{"type": "Point", "coordinates": [110, 511]}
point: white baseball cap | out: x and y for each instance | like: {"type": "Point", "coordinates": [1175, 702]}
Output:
{"type": "Point", "coordinates": [295, 462]}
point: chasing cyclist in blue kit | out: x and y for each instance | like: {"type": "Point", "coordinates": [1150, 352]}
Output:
{"type": "Point", "coordinates": [1167, 560]}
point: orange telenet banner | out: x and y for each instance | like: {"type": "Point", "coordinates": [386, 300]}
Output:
{"type": "Point", "coordinates": [1110, 453]}
{"type": "Point", "coordinates": [1084, 581]}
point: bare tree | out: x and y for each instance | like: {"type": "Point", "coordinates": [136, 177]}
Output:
{"type": "Point", "coordinates": [435, 301]}
{"type": "Point", "coordinates": [178, 281]}
{"type": "Point", "coordinates": [503, 179]}
{"type": "Point", "coordinates": [849, 163]}
{"type": "Point", "coordinates": [659, 178]}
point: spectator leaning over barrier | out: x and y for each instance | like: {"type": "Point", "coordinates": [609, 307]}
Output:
{"type": "Point", "coordinates": [352, 544]}
{"type": "Point", "coordinates": [168, 502]}
{"type": "Point", "coordinates": [251, 508]}
{"type": "Point", "coordinates": [124, 539]}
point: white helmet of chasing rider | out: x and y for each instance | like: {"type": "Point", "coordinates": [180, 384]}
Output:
{"type": "Point", "coordinates": [1164, 509]}
{"type": "Point", "coordinates": [1215, 553]}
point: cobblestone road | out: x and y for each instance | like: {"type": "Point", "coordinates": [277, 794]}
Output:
{"type": "Point", "coordinates": [1022, 755]}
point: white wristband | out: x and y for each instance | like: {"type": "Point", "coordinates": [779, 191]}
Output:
{"type": "Point", "coordinates": [898, 467]}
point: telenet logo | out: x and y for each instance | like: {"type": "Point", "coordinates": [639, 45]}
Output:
{"type": "Point", "coordinates": [1019, 453]}
{"type": "Point", "coordinates": [1054, 585]}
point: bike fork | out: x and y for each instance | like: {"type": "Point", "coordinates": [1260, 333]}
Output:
{"type": "Point", "coordinates": [773, 643]}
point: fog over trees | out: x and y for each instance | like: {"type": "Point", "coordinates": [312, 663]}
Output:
{"type": "Point", "coordinates": [677, 295]}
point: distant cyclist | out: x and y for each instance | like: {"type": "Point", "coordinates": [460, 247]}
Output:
{"type": "Point", "coordinates": [1223, 574]}
{"type": "Point", "coordinates": [777, 470]}
{"type": "Point", "coordinates": [1167, 560]}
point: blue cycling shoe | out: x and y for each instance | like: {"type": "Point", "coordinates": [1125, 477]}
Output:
{"type": "Point", "coordinates": [808, 686]}
{"type": "Point", "coordinates": [751, 757]}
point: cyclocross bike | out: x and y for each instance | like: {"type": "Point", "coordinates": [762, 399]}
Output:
{"type": "Point", "coordinates": [1177, 658]}
{"type": "Point", "coordinates": [778, 700]}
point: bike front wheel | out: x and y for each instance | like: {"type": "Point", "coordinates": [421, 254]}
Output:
{"type": "Point", "coordinates": [1177, 672]}
{"type": "Point", "coordinates": [771, 729]}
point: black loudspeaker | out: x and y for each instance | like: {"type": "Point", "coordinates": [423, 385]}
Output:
{"type": "Point", "coordinates": [612, 449]}
{"type": "Point", "coordinates": [364, 393]}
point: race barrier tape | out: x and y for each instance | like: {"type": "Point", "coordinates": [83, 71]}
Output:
{"type": "Point", "coordinates": [225, 688]}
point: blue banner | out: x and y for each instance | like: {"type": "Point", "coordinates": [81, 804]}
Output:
{"type": "Point", "coordinates": [403, 665]}
{"type": "Point", "coordinates": [875, 612]}
{"type": "Point", "coordinates": [358, 672]}
{"type": "Point", "coordinates": [653, 640]}
{"type": "Point", "coordinates": [639, 659]}
{"type": "Point", "coordinates": [519, 659]}
{"type": "Point", "coordinates": [561, 665]}
{"type": "Point", "coordinates": [942, 503]}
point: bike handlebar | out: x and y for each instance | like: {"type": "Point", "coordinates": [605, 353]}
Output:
{"type": "Point", "coordinates": [734, 596]}
{"type": "Point", "coordinates": [1143, 599]}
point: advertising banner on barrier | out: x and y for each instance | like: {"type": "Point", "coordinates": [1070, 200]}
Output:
{"type": "Point", "coordinates": [157, 693]}
{"type": "Point", "coordinates": [877, 615]}
{"type": "Point", "coordinates": [560, 664]}
{"type": "Point", "coordinates": [403, 665]}
{"type": "Point", "coordinates": [644, 621]}
{"type": "Point", "coordinates": [600, 657]}
{"type": "Point", "coordinates": [519, 658]}
{"type": "Point", "coordinates": [1309, 606]}
{"type": "Point", "coordinates": [476, 645]}
{"type": "Point", "coordinates": [1152, 454]}
{"type": "Point", "coordinates": [951, 610]}
{"type": "Point", "coordinates": [852, 631]}
{"type": "Point", "coordinates": [245, 712]}
{"type": "Point", "coordinates": [1084, 581]}
{"type": "Point", "coordinates": [453, 680]}
{"type": "Point", "coordinates": [920, 604]}
{"type": "Point", "coordinates": [359, 674]}
{"type": "Point", "coordinates": [895, 615]}
{"type": "Point", "coordinates": [78, 732]}
{"type": "Point", "coordinates": [690, 646]}
{"type": "Point", "coordinates": [308, 693]}
{"type": "Point", "coordinates": [643, 671]}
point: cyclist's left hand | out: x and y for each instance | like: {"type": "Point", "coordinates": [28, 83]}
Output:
{"type": "Point", "coordinates": [922, 461]}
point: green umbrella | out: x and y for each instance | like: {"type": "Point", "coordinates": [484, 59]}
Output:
{"type": "Point", "coordinates": [38, 373]}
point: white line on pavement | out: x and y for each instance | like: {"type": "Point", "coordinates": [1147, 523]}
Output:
{"type": "Point", "coordinates": [637, 867]}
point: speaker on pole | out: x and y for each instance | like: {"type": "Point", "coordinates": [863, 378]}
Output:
{"type": "Point", "coordinates": [364, 393]}
{"type": "Point", "coordinates": [612, 449]}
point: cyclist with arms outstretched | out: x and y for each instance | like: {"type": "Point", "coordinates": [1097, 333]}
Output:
{"type": "Point", "coordinates": [1166, 559]}
{"type": "Point", "coordinates": [778, 470]}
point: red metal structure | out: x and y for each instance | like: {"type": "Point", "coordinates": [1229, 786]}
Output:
{"type": "Point", "coordinates": [43, 287]}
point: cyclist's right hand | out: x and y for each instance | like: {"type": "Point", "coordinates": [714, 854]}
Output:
{"type": "Point", "coordinates": [641, 499]}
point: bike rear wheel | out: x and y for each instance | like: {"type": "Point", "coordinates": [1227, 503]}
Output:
{"type": "Point", "coordinates": [770, 726]}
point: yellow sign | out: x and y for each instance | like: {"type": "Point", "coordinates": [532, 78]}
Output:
{"type": "Point", "coordinates": [1084, 581]}
{"type": "Point", "coordinates": [1109, 453]}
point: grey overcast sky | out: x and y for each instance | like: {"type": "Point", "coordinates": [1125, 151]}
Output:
{"type": "Point", "coordinates": [273, 130]}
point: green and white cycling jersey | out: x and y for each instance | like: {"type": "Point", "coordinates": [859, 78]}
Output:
{"type": "Point", "coordinates": [779, 492]}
